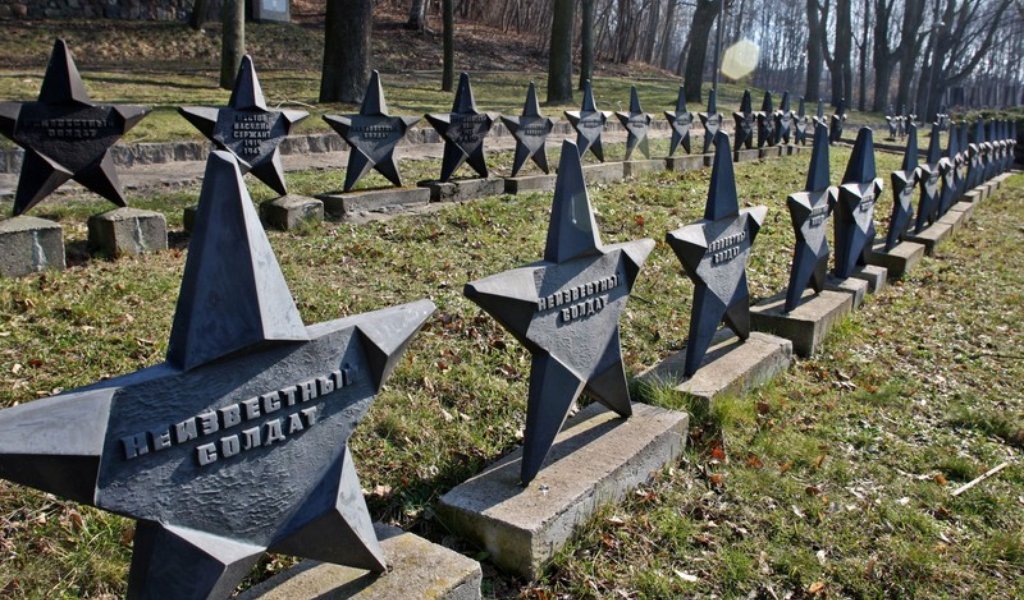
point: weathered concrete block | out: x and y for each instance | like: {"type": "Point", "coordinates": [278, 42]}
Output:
{"type": "Point", "coordinates": [808, 324]}
{"type": "Point", "coordinates": [341, 205]}
{"type": "Point", "coordinates": [632, 168]}
{"type": "Point", "coordinates": [771, 152]}
{"type": "Point", "coordinates": [967, 208]}
{"type": "Point", "coordinates": [685, 162]}
{"type": "Point", "coordinates": [932, 236]}
{"type": "Point", "coordinates": [418, 569]}
{"type": "Point", "coordinates": [611, 172]}
{"type": "Point", "coordinates": [972, 196]}
{"type": "Point", "coordinates": [875, 275]}
{"type": "Point", "coordinates": [530, 183]}
{"type": "Point", "coordinates": [596, 459]}
{"type": "Point", "coordinates": [127, 231]}
{"type": "Point", "coordinates": [730, 367]}
{"type": "Point", "coordinates": [954, 219]}
{"type": "Point", "coordinates": [858, 288]}
{"type": "Point", "coordinates": [29, 245]}
{"type": "Point", "coordinates": [461, 190]}
{"type": "Point", "coordinates": [902, 258]}
{"type": "Point", "coordinates": [288, 212]}
{"type": "Point", "coordinates": [746, 155]}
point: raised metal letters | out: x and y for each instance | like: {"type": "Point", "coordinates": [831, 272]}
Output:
{"type": "Point", "coordinates": [65, 136]}
{"type": "Point", "coordinates": [463, 130]}
{"type": "Point", "coordinates": [636, 122]}
{"type": "Point", "coordinates": [565, 309]}
{"type": "Point", "coordinates": [531, 130]}
{"type": "Point", "coordinates": [588, 123]}
{"type": "Point", "coordinates": [855, 209]}
{"type": "Point", "coordinates": [681, 120]}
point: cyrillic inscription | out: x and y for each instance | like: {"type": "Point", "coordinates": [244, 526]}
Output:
{"type": "Point", "coordinates": [586, 299]}
{"type": "Point", "coordinates": [251, 130]}
{"type": "Point", "coordinates": [727, 248]}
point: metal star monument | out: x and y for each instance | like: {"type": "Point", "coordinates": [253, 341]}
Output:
{"type": "Point", "coordinates": [766, 134]}
{"type": "Point", "coordinates": [247, 129]}
{"type": "Point", "coordinates": [714, 252]}
{"type": "Point", "coordinates": [928, 205]}
{"type": "Point", "coordinates": [744, 118]}
{"type": "Point", "coordinates": [801, 123]}
{"type": "Point", "coordinates": [904, 182]}
{"type": "Point", "coordinates": [784, 120]}
{"type": "Point", "coordinates": [835, 134]}
{"type": "Point", "coordinates": [636, 122]}
{"type": "Point", "coordinates": [531, 130]}
{"type": "Point", "coordinates": [588, 123]}
{"type": "Point", "coordinates": [712, 120]}
{"type": "Point", "coordinates": [463, 130]}
{"type": "Point", "coordinates": [681, 121]}
{"type": "Point", "coordinates": [855, 209]}
{"type": "Point", "coordinates": [65, 136]}
{"type": "Point", "coordinates": [237, 444]}
{"type": "Point", "coordinates": [947, 171]}
{"type": "Point", "coordinates": [371, 136]}
{"type": "Point", "coordinates": [565, 309]}
{"type": "Point", "coordinates": [810, 211]}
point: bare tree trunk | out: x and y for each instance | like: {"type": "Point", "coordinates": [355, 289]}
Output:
{"type": "Point", "coordinates": [913, 16]}
{"type": "Point", "coordinates": [232, 41]}
{"type": "Point", "coordinates": [624, 31]}
{"type": "Point", "coordinates": [704, 16]}
{"type": "Point", "coordinates": [666, 35]}
{"type": "Point", "coordinates": [586, 41]}
{"type": "Point", "coordinates": [560, 55]}
{"type": "Point", "coordinates": [839, 62]}
{"type": "Point", "coordinates": [652, 32]}
{"type": "Point", "coordinates": [862, 101]}
{"type": "Point", "coordinates": [197, 17]}
{"type": "Point", "coordinates": [346, 50]}
{"type": "Point", "coordinates": [417, 15]}
{"type": "Point", "coordinates": [815, 44]}
{"type": "Point", "coordinates": [448, 20]}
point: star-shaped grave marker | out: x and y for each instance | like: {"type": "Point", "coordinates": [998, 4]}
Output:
{"type": "Point", "coordinates": [801, 124]}
{"type": "Point", "coordinates": [928, 205]}
{"type": "Point", "coordinates": [531, 130]}
{"type": "Point", "coordinates": [247, 129]}
{"type": "Point", "coordinates": [237, 444]}
{"type": "Point", "coordinates": [855, 209]}
{"type": "Point", "coordinates": [588, 123]}
{"type": "Point", "coordinates": [744, 118]}
{"type": "Point", "coordinates": [838, 119]}
{"type": "Point", "coordinates": [65, 136]}
{"type": "Point", "coordinates": [963, 158]}
{"type": "Point", "coordinates": [636, 122]}
{"type": "Point", "coordinates": [766, 122]}
{"type": "Point", "coordinates": [463, 130]}
{"type": "Point", "coordinates": [681, 121]}
{"type": "Point", "coordinates": [819, 115]}
{"type": "Point", "coordinates": [810, 211]}
{"type": "Point", "coordinates": [712, 120]}
{"type": "Point", "coordinates": [947, 171]}
{"type": "Point", "coordinates": [975, 173]}
{"type": "Point", "coordinates": [784, 120]}
{"type": "Point", "coordinates": [371, 136]}
{"type": "Point", "coordinates": [565, 309]}
{"type": "Point", "coordinates": [714, 252]}
{"type": "Point", "coordinates": [904, 182]}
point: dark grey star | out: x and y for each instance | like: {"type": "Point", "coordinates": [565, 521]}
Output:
{"type": "Point", "coordinates": [681, 121]}
{"type": "Point", "coordinates": [975, 173]}
{"type": "Point", "coordinates": [744, 118]}
{"type": "Point", "coordinates": [371, 136]}
{"type": "Point", "coordinates": [928, 205]}
{"type": "Point", "coordinates": [801, 123]}
{"type": "Point", "coordinates": [712, 120]}
{"type": "Point", "coordinates": [947, 172]}
{"type": "Point", "coordinates": [636, 122]}
{"type": "Point", "coordinates": [904, 182]}
{"type": "Point", "coordinates": [766, 122]}
{"type": "Point", "coordinates": [565, 309]}
{"type": "Point", "coordinates": [463, 130]}
{"type": "Point", "coordinates": [784, 120]}
{"type": "Point", "coordinates": [247, 128]}
{"type": "Point", "coordinates": [963, 158]}
{"type": "Point", "coordinates": [714, 252]}
{"type": "Point", "coordinates": [531, 130]}
{"type": "Point", "coordinates": [819, 115]}
{"type": "Point", "coordinates": [65, 136]}
{"type": "Point", "coordinates": [855, 208]}
{"type": "Point", "coordinates": [588, 123]}
{"type": "Point", "coordinates": [809, 211]}
{"type": "Point", "coordinates": [237, 444]}
{"type": "Point", "coordinates": [838, 119]}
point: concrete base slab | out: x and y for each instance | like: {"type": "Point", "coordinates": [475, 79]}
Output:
{"type": "Point", "coordinates": [611, 172]}
{"type": "Point", "coordinates": [288, 212]}
{"type": "Point", "coordinates": [530, 183]}
{"type": "Point", "coordinates": [972, 196]}
{"type": "Point", "coordinates": [858, 288]}
{"type": "Point", "coordinates": [807, 325]}
{"type": "Point", "coordinates": [632, 168]}
{"type": "Point", "coordinates": [931, 236]}
{"type": "Point", "coordinates": [955, 220]}
{"type": "Point", "coordinates": [730, 367]}
{"type": "Point", "coordinates": [460, 190]}
{"type": "Point", "coordinates": [342, 205]}
{"type": "Point", "coordinates": [127, 231]}
{"type": "Point", "coordinates": [746, 155]}
{"type": "Point", "coordinates": [902, 258]}
{"type": "Point", "coordinates": [29, 245]}
{"type": "Point", "coordinates": [771, 152]}
{"type": "Point", "coordinates": [597, 459]}
{"type": "Point", "coordinates": [875, 276]}
{"type": "Point", "coordinates": [685, 162]}
{"type": "Point", "coordinates": [967, 208]}
{"type": "Point", "coordinates": [418, 569]}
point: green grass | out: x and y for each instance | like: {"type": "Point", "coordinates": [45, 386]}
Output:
{"type": "Point", "coordinates": [831, 473]}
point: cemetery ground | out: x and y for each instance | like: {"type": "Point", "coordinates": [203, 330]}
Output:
{"type": "Point", "coordinates": [833, 481]}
